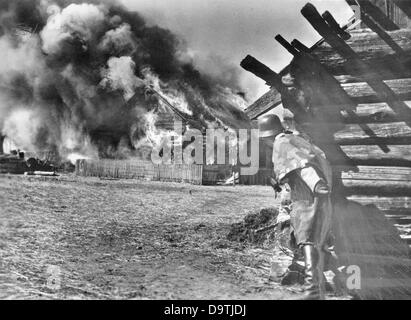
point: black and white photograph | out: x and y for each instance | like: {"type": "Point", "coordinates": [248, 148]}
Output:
{"type": "Point", "coordinates": [205, 150]}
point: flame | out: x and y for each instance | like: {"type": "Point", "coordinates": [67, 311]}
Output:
{"type": "Point", "coordinates": [73, 157]}
{"type": "Point", "coordinates": [71, 105]}
{"type": "Point", "coordinates": [174, 96]}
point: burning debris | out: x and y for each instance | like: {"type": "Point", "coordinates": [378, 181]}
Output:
{"type": "Point", "coordinates": [74, 78]}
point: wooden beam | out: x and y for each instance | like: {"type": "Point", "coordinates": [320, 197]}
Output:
{"type": "Point", "coordinates": [369, 46]}
{"type": "Point", "coordinates": [325, 90]}
{"type": "Point", "coordinates": [300, 46]}
{"type": "Point", "coordinates": [376, 187]}
{"type": "Point", "coordinates": [267, 102]}
{"type": "Point", "coordinates": [372, 113]}
{"type": "Point", "coordinates": [401, 205]}
{"type": "Point", "coordinates": [347, 78]}
{"type": "Point", "coordinates": [404, 5]}
{"type": "Point", "coordinates": [328, 97]}
{"type": "Point", "coordinates": [292, 50]}
{"type": "Point", "coordinates": [380, 180]}
{"type": "Point", "coordinates": [363, 92]}
{"type": "Point", "coordinates": [378, 173]}
{"type": "Point", "coordinates": [378, 15]}
{"type": "Point", "coordinates": [371, 49]}
{"type": "Point", "coordinates": [354, 134]}
{"type": "Point", "coordinates": [367, 180]}
{"type": "Point", "coordinates": [1, 143]}
{"type": "Point", "coordinates": [356, 66]}
{"type": "Point", "coordinates": [382, 34]}
{"type": "Point", "coordinates": [259, 69]}
{"type": "Point", "coordinates": [273, 79]}
{"type": "Point", "coordinates": [328, 17]}
{"type": "Point", "coordinates": [371, 155]}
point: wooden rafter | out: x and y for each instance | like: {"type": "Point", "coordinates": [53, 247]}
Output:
{"type": "Point", "coordinates": [335, 26]}
{"type": "Point", "coordinates": [404, 5]}
{"type": "Point", "coordinates": [382, 34]}
{"type": "Point", "coordinates": [356, 66]}
{"type": "Point", "coordinates": [377, 14]}
{"type": "Point", "coordinates": [273, 79]}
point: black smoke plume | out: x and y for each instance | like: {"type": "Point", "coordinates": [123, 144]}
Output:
{"type": "Point", "coordinates": [73, 78]}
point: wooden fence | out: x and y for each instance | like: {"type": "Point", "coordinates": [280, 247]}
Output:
{"type": "Point", "coordinates": [216, 173]}
{"type": "Point", "coordinates": [146, 170]}
{"type": "Point", "coordinates": [260, 178]}
{"type": "Point", "coordinates": [139, 169]}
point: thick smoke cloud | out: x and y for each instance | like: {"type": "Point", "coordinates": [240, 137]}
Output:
{"type": "Point", "coordinates": [73, 77]}
{"type": "Point", "coordinates": [231, 29]}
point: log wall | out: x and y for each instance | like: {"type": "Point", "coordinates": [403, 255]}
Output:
{"type": "Point", "coordinates": [369, 121]}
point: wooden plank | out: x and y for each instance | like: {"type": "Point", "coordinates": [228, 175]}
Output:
{"type": "Point", "coordinates": [263, 72]}
{"type": "Point", "coordinates": [377, 180]}
{"type": "Point", "coordinates": [362, 92]}
{"type": "Point", "coordinates": [404, 5]}
{"type": "Point", "coordinates": [386, 133]}
{"type": "Point", "coordinates": [382, 34]}
{"type": "Point", "coordinates": [347, 78]}
{"type": "Point", "coordinates": [356, 65]}
{"type": "Point", "coordinates": [2, 137]}
{"type": "Point", "coordinates": [335, 26]}
{"type": "Point", "coordinates": [376, 173]}
{"type": "Point", "coordinates": [267, 102]}
{"type": "Point", "coordinates": [371, 49]}
{"type": "Point", "coordinates": [273, 79]}
{"type": "Point", "coordinates": [380, 133]}
{"type": "Point", "coordinates": [324, 89]}
{"type": "Point", "coordinates": [376, 187]}
{"type": "Point", "coordinates": [372, 112]}
{"type": "Point", "coordinates": [399, 155]}
{"type": "Point", "coordinates": [400, 206]}
{"type": "Point", "coordinates": [377, 14]}
{"type": "Point", "coordinates": [300, 46]}
{"type": "Point", "coordinates": [368, 46]}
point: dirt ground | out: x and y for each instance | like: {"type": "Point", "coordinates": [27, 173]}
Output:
{"type": "Point", "coordinates": [87, 238]}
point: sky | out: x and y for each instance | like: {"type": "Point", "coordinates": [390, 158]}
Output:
{"type": "Point", "coordinates": [228, 30]}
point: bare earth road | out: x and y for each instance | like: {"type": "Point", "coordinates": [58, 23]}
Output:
{"type": "Point", "coordinates": [76, 238]}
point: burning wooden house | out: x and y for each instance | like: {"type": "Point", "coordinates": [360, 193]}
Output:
{"type": "Point", "coordinates": [164, 116]}
{"type": "Point", "coordinates": [357, 81]}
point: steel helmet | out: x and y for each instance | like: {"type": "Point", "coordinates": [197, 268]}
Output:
{"type": "Point", "coordinates": [269, 126]}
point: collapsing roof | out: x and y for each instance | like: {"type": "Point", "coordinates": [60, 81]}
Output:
{"type": "Point", "coordinates": [366, 43]}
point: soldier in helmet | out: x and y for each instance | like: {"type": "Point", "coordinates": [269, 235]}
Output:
{"type": "Point", "coordinates": [304, 168]}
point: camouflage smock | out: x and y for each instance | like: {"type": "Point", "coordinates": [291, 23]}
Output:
{"type": "Point", "coordinates": [310, 216]}
{"type": "Point", "coordinates": [292, 152]}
